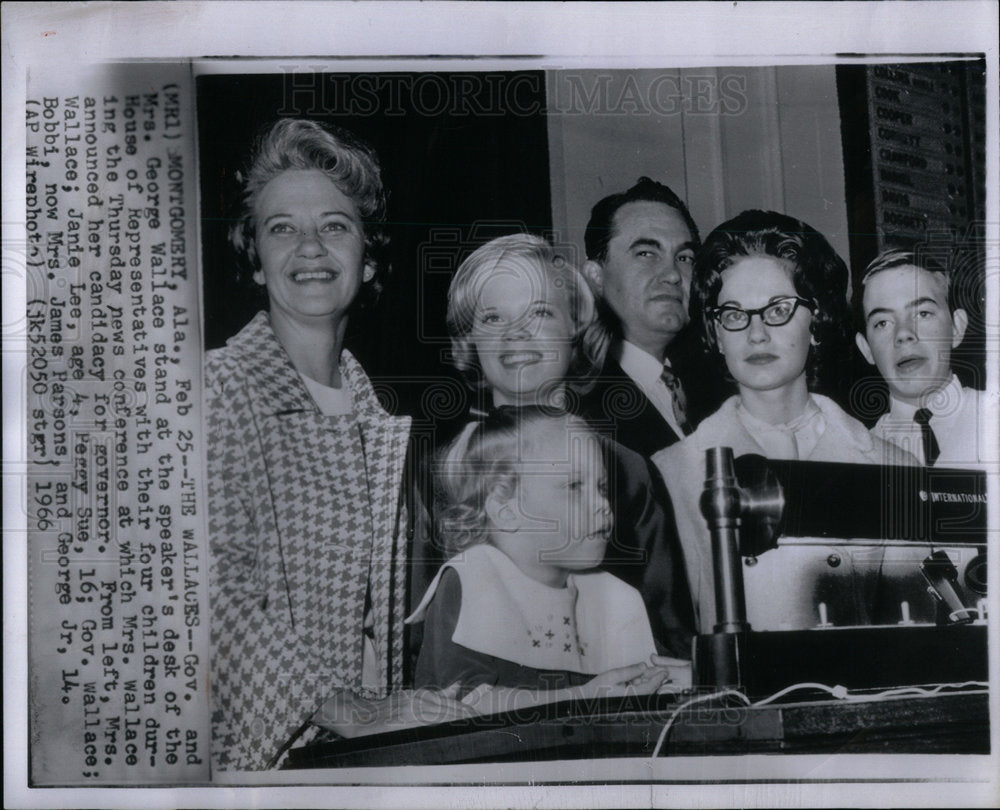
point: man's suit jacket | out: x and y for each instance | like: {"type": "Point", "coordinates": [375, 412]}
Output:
{"type": "Point", "coordinates": [647, 554]}
{"type": "Point", "coordinates": [645, 550]}
{"type": "Point", "coordinates": [617, 408]}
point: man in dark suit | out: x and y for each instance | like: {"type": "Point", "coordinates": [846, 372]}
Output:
{"type": "Point", "coordinates": [640, 254]}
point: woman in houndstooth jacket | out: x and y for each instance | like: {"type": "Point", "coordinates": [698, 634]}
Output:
{"type": "Point", "coordinates": [308, 527]}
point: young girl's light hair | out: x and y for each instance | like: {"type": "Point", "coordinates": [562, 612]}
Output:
{"type": "Point", "coordinates": [485, 459]}
{"type": "Point", "coordinates": [589, 338]}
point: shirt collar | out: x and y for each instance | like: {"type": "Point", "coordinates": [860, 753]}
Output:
{"type": "Point", "coordinates": [941, 401]}
{"type": "Point", "coordinates": [795, 439]}
{"type": "Point", "coordinates": [752, 423]}
{"type": "Point", "coordinates": [639, 364]}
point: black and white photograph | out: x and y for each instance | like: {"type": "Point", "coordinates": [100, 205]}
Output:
{"type": "Point", "coordinates": [508, 404]}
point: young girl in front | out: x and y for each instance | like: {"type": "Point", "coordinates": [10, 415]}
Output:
{"type": "Point", "coordinates": [519, 615]}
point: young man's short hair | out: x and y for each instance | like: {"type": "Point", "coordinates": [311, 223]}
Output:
{"type": "Point", "coordinates": [896, 257]}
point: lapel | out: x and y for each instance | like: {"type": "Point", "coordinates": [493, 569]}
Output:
{"type": "Point", "coordinates": [385, 442]}
{"type": "Point", "coordinates": [639, 425]}
{"type": "Point", "coordinates": [727, 423]}
{"type": "Point", "coordinates": [296, 442]}
{"type": "Point", "coordinates": [270, 386]}
{"type": "Point", "coordinates": [291, 435]}
{"type": "Point", "coordinates": [385, 438]}
{"type": "Point", "coordinates": [274, 386]}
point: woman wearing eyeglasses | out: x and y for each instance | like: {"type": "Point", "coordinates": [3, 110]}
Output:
{"type": "Point", "coordinates": [770, 294]}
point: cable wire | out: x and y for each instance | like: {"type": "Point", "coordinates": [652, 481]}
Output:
{"type": "Point", "coordinates": [838, 691]}
{"type": "Point", "coordinates": [700, 699]}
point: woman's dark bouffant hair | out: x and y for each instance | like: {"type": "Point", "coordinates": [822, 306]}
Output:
{"type": "Point", "coordinates": [818, 274]}
{"type": "Point", "coordinates": [350, 163]}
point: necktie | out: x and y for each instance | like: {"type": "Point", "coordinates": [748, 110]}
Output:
{"type": "Point", "coordinates": [678, 400]}
{"type": "Point", "coordinates": [931, 450]}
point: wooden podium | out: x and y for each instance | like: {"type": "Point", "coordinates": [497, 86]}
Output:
{"type": "Point", "coordinates": [942, 724]}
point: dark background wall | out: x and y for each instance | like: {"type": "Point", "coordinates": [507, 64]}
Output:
{"type": "Point", "coordinates": [472, 155]}
{"type": "Point", "coordinates": [464, 158]}
{"type": "Point", "coordinates": [915, 173]}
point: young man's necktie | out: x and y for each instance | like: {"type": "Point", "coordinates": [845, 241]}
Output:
{"type": "Point", "coordinates": [931, 450]}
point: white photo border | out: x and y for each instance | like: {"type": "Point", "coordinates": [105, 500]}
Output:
{"type": "Point", "coordinates": [438, 36]}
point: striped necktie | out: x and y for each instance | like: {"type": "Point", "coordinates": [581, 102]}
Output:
{"type": "Point", "coordinates": [677, 398]}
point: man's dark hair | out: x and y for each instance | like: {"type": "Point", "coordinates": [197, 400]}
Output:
{"type": "Point", "coordinates": [600, 229]}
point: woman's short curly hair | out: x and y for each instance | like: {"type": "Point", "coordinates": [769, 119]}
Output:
{"type": "Point", "coordinates": [818, 274]}
{"type": "Point", "coordinates": [350, 163]}
{"type": "Point", "coordinates": [589, 338]}
{"type": "Point", "coordinates": [485, 459]}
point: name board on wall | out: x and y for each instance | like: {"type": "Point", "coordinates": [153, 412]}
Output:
{"type": "Point", "coordinates": [927, 150]}
{"type": "Point", "coordinates": [914, 141]}
{"type": "Point", "coordinates": [914, 154]}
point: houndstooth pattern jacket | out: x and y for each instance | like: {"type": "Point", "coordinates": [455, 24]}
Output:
{"type": "Point", "coordinates": [305, 519]}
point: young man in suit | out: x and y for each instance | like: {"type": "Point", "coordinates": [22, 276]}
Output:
{"type": "Point", "coordinates": [912, 323]}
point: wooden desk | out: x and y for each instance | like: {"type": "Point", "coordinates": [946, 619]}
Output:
{"type": "Point", "coordinates": [943, 724]}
